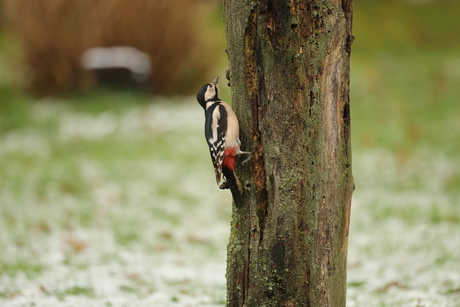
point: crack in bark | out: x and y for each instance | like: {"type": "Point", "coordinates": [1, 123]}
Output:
{"type": "Point", "coordinates": [252, 79]}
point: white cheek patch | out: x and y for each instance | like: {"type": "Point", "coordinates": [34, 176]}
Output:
{"type": "Point", "coordinates": [211, 92]}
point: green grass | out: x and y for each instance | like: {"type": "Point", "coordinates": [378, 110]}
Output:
{"type": "Point", "coordinates": [24, 266]}
{"type": "Point", "coordinates": [108, 199]}
{"type": "Point", "coordinates": [406, 103]}
{"type": "Point", "coordinates": [76, 290]}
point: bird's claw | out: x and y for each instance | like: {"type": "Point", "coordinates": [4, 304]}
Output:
{"type": "Point", "coordinates": [224, 186]}
{"type": "Point", "coordinates": [248, 158]}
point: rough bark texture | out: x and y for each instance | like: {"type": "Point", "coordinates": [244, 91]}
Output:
{"type": "Point", "coordinates": [289, 75]}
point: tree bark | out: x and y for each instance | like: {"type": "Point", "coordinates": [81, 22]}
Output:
{"type": "Point", "coordinates": [289, 77]}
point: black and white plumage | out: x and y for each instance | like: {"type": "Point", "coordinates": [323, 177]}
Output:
{"type": "Point", "coordinates": [221, 130]}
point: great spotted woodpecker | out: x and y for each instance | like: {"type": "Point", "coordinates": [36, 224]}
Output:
{"type": "Point", "coordinates": [221, 130]}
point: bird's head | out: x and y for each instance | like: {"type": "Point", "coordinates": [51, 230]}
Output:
{"type": "Point", "coordinates": [208, 92]}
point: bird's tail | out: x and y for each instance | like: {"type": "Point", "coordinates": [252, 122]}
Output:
{"type": "Point", "coordinates": [233, 183]}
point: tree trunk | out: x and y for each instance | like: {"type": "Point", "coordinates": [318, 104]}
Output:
{"type": "Point", "coordinates": [289, 76]}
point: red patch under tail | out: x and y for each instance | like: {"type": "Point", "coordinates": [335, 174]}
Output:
{"type": "Point", "coordinates": [230, 158]}
{"type": "Point", "coordinates": [229, 162]}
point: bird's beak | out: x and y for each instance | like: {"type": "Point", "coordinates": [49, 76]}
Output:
{"type": "Point", "coordinates": [215, 80]}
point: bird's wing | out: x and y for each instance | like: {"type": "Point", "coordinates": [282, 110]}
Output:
{"type": "Point", "coordinates": [215, 136]}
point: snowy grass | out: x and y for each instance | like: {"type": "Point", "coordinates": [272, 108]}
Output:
{"type": "Point", "coordinates": [405, 232]}
{"type": "Point", "coordinates": [118, 207]}
{"type": "Point", "coordinates": [404, 247]}
{"type": "Point", "coordinates": [111, 208]}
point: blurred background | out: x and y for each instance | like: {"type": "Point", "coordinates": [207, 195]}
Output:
{"type": "Point", "coordinates": [54, 38]}
{"type": "Point", "coordinates": [107, 195]}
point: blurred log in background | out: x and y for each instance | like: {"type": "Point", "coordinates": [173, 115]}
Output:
{"type": "Point", "coordinates": [55, 33]}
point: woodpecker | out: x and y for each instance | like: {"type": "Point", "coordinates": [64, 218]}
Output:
{"type": "Point", "coordinates": [221, 130]}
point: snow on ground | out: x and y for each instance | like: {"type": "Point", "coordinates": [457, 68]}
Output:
{"type": "Point", "coordinates": [152, 229]}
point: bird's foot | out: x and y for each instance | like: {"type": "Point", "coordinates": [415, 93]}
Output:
{"type": "Point", "coordinates": [224, 185]}
{"type": "Point", "coordinates": [248, 158]}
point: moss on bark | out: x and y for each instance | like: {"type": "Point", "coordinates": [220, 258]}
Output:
{"type": "Point", "coordinates": [289, 75]}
